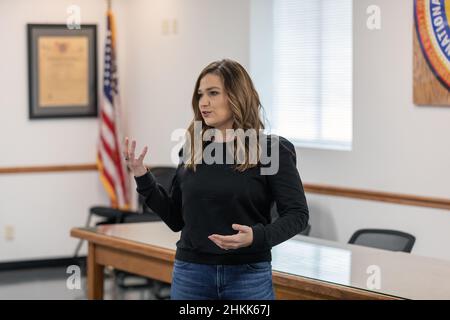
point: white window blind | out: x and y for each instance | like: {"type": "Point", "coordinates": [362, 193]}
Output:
{"type": "Point", "coordinates": [312, 72]}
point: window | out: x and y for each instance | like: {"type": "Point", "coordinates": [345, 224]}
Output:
{"type": "Point", "coordinates": [302, 67]}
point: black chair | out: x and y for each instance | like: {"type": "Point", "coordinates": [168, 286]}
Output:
{"type": "Point", "coordinates": [274, 215]}
{"type": "Point", "coordinates": [125, 280]}
{"type": "Point", "coordinates": [306, 231]}
{"type": "Point", "coordinates": [384, 239]}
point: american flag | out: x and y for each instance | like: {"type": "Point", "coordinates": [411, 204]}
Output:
{"type": "Point", "coordinates": [111, 165]}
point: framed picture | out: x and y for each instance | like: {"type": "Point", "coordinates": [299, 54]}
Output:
{"type": "Point", "coordinates": [62, 71]}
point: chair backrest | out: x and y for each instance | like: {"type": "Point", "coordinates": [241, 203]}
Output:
{"type": "Point", "coordinates": [274, 216]}
{"type": "Point", "coordinates": [392, 240]}
{"type": "Point", "coordinates": [164, 177]}
{"type": "Point", "coordinates": [306, 231]}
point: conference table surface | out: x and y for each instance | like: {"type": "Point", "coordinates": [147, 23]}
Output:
{"type": "Point", "coordinates": [311, 261]}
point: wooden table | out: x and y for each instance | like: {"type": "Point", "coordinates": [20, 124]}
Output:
{"type": "Point", "coordinates": [303, 267]}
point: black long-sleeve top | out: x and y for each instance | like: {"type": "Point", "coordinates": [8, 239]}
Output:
{"type": "Point", "coordinates": [215, 196]}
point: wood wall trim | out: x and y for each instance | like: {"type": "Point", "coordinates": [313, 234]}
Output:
{"type": "Point", "coordinates": [389, 197]}
{"type": "Point", "coordinates": [397, 198]}
{"type": "Point", "coordinates": [54, 168]}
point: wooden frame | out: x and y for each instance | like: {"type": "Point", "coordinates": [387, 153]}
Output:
{"type": "Point", "coordinates": [62, 71]}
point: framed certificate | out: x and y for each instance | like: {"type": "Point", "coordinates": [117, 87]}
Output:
{"type": "Point", "coordinates": [62, 67]}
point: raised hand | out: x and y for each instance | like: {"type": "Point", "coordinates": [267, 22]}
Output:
{"type": "Point", "coordinates": [136, 165]}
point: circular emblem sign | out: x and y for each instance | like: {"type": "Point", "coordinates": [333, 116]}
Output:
{"type": "Point", "coordinates": [431, 18]}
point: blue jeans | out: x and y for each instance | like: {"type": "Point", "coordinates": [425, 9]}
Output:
{"type": "Point", "coordinates": [193, 281]}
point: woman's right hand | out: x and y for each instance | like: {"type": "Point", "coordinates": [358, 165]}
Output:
{"type": "Point", "coordinates": [136, 165]}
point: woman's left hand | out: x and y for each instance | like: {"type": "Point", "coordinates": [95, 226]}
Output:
{"type": "Point", "coordinates": [239, 240]}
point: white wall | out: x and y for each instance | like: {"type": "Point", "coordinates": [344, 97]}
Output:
{"type": "Point", "coordinates": [42, 207]}
{"type": "Point", "coordinates": [162, 70]}
{"type": "Point", "coordinates": [397, 147]}
{"type": "Point", "coordinates": [156, 78]}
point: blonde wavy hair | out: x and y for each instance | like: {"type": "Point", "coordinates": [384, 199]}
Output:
{"type": "Point", "coordinates": [245, 108]}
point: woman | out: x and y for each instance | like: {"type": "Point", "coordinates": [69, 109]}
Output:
{"type": "Point", "coordinates": [223, 209]}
